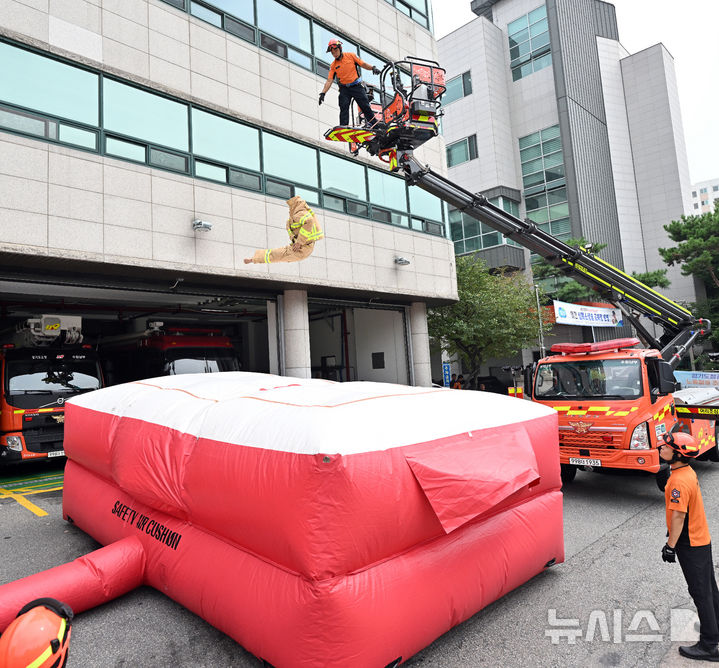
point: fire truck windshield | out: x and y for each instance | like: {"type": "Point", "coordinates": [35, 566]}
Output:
{"type": "Point", "coordinates": [46, 378]}
{"type": "Point", "coordinates": [590, 379]}
{"type": "Point", "coordinates": [200, 360]}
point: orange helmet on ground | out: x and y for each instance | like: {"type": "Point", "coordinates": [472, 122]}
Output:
{"type": "Point", "coordinates": [682, 443]}
{"type": "Point", "coordinates": [39, 636]}
{"type": "Point", "coordinates": [334, 43]}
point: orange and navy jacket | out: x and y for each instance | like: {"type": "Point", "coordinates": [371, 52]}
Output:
{"type": "Point", "coordinates": [302, 225]}
{"type": "Point", "coordinates": [682, 493]}
{"type": "Point", "coordinates": [345, 68]}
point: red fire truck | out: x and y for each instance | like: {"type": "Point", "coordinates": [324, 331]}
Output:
{"type": "Point", "coordinates": [43, 365]}
{"type": "Point", "coordinates": [164, 351]}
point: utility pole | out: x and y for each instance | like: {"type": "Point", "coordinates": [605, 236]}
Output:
{"type": "Point", "coordinates": [541, 327]}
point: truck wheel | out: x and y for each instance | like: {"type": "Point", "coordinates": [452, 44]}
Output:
{"type": "Point", "coordinates": [568, 471]}
{"type": "Point", "coordinates": [662, 476]}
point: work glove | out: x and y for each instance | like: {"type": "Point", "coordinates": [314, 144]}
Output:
{"type": "Point", "coordinates": [375, 70]}
{"type": "Point", "coordinates": [669, 554]}
{"type": "Point", "coordinates": [322, 98]}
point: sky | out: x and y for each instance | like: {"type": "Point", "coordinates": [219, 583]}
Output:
{"type": "Point", "coordinates": [688, 30]}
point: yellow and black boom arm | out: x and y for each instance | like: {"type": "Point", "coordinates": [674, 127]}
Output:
{"type": "Point", "coordinates": [633, 297]}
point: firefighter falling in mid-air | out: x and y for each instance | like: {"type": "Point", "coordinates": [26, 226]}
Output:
{"type": "Point", "coordinates": [304, 231]}
{"type": "Point", "coordinates": [344, 68]}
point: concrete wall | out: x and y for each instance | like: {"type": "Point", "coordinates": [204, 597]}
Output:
{"type": "Point", "coordinates": [660, 161]}
{"type": "Point", "coordinates": [370, 336]}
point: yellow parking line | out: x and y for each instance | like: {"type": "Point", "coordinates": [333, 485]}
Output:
{"type": "Point", "coordinates": [23, 502]}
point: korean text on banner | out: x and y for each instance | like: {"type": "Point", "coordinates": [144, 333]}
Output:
{"type": "Point", "coordinates": [587, 316]}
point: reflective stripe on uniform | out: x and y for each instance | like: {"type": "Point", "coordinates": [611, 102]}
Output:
{"type": "Point", "coordinates": [267, 255]}
{"type": "Point", "coordinates": [48, 652]}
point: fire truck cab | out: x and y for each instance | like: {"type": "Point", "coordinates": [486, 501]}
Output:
{"type": "Point", "coordinates": [166, 351]}
{"type": "Point", "coordinates": [614, 402]}
{"type": "Point", "coordinates": [42, 366]}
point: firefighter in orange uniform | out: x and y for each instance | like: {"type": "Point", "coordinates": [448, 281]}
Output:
{"type": "Point", "coordinates": [344, 67]}
{"type": "Point", "coordinates": [689, 539]}
{"type": "Point", "coordinates": [303, 229]}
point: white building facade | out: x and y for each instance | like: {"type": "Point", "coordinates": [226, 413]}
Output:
{"type": "Point", "coordinates": [571, 130]}
{"type": "Point", "coordinates": [703, 195]}
{"type": "Point", "coordinates": [123, 121]}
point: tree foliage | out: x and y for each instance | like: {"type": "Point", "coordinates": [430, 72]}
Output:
{"type": "Point", "coordinates": [566, 289]}
{"type": "Point", "coordinates": [697, 249]}
{"type": "Point", "coordinates": [496, 316]}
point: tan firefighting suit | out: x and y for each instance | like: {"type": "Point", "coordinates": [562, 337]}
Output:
{"type": "Point", "coordinates": [304, 230]}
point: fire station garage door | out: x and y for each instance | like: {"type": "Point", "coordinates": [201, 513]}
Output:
{"type": "Point", "coordinates": [352, 343]}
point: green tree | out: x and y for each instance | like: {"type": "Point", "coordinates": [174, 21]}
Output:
{"type": "Point", "coordinates": [697, 249]}
{"type": "Point", "coordinates": [496, 316]}
{"type": "Point", "coordinates": [565, 289]}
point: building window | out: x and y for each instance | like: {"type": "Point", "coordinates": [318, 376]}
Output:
{"type": "Point", "coordinates": [703, 191]}
{"type": "Point", "coordinates": [705, 202]}
{"type": "Point", "coordinates": [145, 127]}
{"type": "Point", "coordinates": [715, 188]}
{"type": "Point", "coordinates": [545, 192]}
{"type": "Point", "coordinates": [457, 88]}
{"type": "Point", "coordinates": [694, 193]}
{"type": "Point", "coordinates": [462, 151]}
{"type": "Point", "coordinates": [415, 9]}
{"type": "Point", "coordinates": [225, 141]}
{"type": "Point", "coordinates": [142, 115]}
{"type": "Point", "coordinates": [529, 49]}
{"type": "Point", "coordinates": [696, 206]}
{"type": "Point", "coordinates": [48, 86]}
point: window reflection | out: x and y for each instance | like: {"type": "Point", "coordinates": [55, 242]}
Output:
{"type": "Point", "coordinates": [387, 190]}
{"type": "Point", "coordinates": [224, 140]}
{"type": "Point", "coordinates": [422, 203]}
{"type": "Point", "coordinates": [282, 22]}
{"type": "Point", "coordinates": [289, 160]}
{"type": "Point", "coordinates": [242, 9]}
{"type": "Point", "coordinates": [137, 113]}
{"type": "Point", "coordinates": [46, 85]}
{"type": "Point", "coordinates": [342, 177]}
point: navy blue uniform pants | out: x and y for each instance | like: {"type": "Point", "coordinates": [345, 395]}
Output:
{"type": "Point", "coordinates": [698, 569]}
{"type": "Point", "coordinates": [356, 92]}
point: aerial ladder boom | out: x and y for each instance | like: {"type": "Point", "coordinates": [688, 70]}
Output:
{"type": "Point", "coordinates": [407, 117]}
{"type": "Point", "coordinates": [630, 295]}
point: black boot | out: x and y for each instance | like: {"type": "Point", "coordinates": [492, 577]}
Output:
{"type": "Point", "coordinates": [701, 652]}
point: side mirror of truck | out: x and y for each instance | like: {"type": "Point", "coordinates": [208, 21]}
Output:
{"type": "Point", "coordinates": [661, 377]}
{"type": "Point", "coordinates": [528, 373]}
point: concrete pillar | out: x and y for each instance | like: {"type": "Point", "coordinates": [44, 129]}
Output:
{"type": "Point", "coordinates": [296, 329]}
{"type": "Point", "coordinates": [419, 340]}
{"type": "Point", "coordinates": [272, 339]}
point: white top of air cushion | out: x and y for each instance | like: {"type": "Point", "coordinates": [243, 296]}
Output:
{"type": "Point", "coordinates": [307, 416]}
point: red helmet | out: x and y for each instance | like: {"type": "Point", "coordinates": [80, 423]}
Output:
{"type": "Point", "coordinates": [333, 43]}
{"type": "Point", "coordinates": [682, 443]}
{"type": "Point", "coordinates": [39, 636]}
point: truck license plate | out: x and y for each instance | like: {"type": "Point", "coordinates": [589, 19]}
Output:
{"type": "Point", "coordinates": [56, 453]}
{"type": "Point", "coordinates": [580, 461]}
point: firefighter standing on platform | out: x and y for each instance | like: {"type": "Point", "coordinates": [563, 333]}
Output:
{"type": "Point", "coordinates": [689, 539]}
{"type": "Point", "coordinates": [303, 229]}
{"type": "Point", "coordinates": [344, 67]}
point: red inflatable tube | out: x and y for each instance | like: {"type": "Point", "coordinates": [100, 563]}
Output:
{"type": "Point", "coordinates": [367, 618]}
{"type": "Point", "coordinates": [84, 583]}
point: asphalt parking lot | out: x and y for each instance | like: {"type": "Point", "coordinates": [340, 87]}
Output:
{"type": "Point", "coordinates": [613, 602]}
